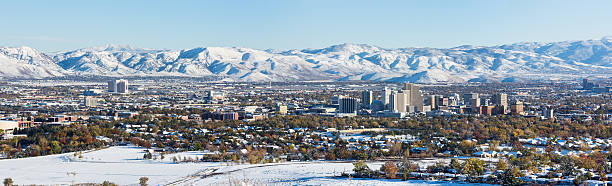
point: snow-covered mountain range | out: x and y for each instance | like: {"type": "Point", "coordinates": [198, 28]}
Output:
{"type": "Point", "coordinates": [339, 62]}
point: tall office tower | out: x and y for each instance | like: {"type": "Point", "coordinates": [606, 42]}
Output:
{"type": "Point", "coordinates": [473, 101]}
{"type": "Point", "coordinates": [385, 96]}
{"type": "Point", "coordinates": [336, 99]}
{"type": "Point", "coordinates": [453, 99]}
{"type": "Point", "coordinates": [588, 85]}
{"type": "Point", "coordinates": [397, 102]}
{"type": "Point", "coordinates": [475, 105]}
{"type": "Point", "coordinates": [366, 98]}
{"type": "Point", "coordinates": [442, 101]}
{"type": "Point", "coordinates": [484, 101]}
{"type": "Point", "coordinates": [501, 100]}
{"type": "Point", "coordinates": [392, 102]}
{"type": "Point", "coordinates": [91, 101]}
{"type": "Point", "coordinates": [122, 86]}
{"type": "Point", "coordinates": [517, 108]}
{"type": "Point", "coordinates": [548, 113]}
{"type": "Point", "coordinates": [431, 101]}
{"type": "Point", "coordinates": [112, 86]}
{"type": "Point", "coordinates": [347, 105]}
{"type": "Point", "coordinates": [377, 105]}
{"type": "Point", "coordinates": [468, 97]}
{"type": "Point", "coordinates": [415, 96]}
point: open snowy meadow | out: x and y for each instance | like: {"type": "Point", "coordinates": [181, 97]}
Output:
{"type": "Point", "coordinates": [124, 165]}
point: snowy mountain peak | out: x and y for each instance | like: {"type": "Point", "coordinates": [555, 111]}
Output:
{"type": "Point", "coordinates": [337, 62]}
{"type": "Point", "coordinates": [119, 48]}
{"type": "Point", "coordinates": [343, 48]}
{"type": "Point", "coordinates": [116, 47]}
{"type": "Point", "coordinates": [26, 62]}
{"type": "Point", "coordinates": [21, 50]}
{"type": "Point", "coordinates": [351, 48]}
{"type": "Point", "coordinates": [24, 53]}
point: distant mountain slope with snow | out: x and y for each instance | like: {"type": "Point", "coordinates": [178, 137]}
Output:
{"type": "Point", "coordinates": [339, 62]}
{"type": "Point", "coordinates": [25, 62]}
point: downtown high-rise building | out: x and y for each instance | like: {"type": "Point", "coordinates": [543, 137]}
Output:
{"type": "Point", "coordinates": [347, 105]}
{"type": "Point", "coordinates": [122, 86]}
{"type": "Point", "coordinates": [548, 113]}
{"type": "Point", "coordinates": [415, 97]}
{"type": "Point", "coordinates": [501, 100]}
{"type": "Point", "coordinates": [366, 98]}
{"type": "Point", "coordinates": [90, 101]}
{"type": "Point", "coordinates": [517, 108]}
{"type": "Point", "coordinates": [410, 99]}
{"type": "Point", "coordinates": [397, 102]}
{"type": "Point", "coordinates": [118, 86]}
{"type": "Point", "coordinates": [472, 100]}
{"type": "Point", "coordinates": [386, 96]}
{"type": "Point", "coordinates": [112, 86]}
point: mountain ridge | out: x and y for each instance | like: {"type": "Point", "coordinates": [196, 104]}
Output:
{"type": "Point", "coordinates": [342, 62]}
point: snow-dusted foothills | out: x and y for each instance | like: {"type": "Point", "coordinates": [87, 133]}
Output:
{"type": "Point", "coordinates": [339, 62]}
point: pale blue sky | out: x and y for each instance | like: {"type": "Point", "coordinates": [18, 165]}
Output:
{"type": "Point", "coordinates": [289, 24]}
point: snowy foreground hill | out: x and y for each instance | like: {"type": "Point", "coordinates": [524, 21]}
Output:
{"type": "Point", "coordinates": [531, 60]}
{"type": "Point", "coordinates": [124, 165]}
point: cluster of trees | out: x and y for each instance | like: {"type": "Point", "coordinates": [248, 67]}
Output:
{"type": "Point", "coordinates": [142, 181]}
{"type": "Point", "coordinates": [48, 139]}
{"type": "Point", "coordinates": [472, 167]}
{"type": "Point", "coordinates": [457, 129]}
{"type": "Point", "coordinates": [506, 172]}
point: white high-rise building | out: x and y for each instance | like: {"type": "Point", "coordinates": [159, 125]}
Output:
{"type": "Point", "coordinates": [118, 86]}
{"type": "Point", "coordinates": [122, 87]}
{"type": "Point", "coordinates": [91, 101]}
{"type": "Point", "coordinates": [410, 99]}
{"type": "Point", "coordinates": [385, 96]}
{"type": "Point", "coordinates": [397, 102]}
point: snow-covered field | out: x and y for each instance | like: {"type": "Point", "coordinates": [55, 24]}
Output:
{"type": "Point", "coordinates": [124, 165]}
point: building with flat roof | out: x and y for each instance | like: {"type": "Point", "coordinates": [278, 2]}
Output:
{"type": "Point", "coordinates": [215, 95]}
{"type": "Point", "coordinates": [7, 126]}
{"type": "Point", "coordinates": [501, 100]}
{"type": "Point", "coordinates": [366, 99]}
{"type": "Point", "coordinates": [90, 101]}
{"type": "Point", "coordinates": [112, 86]}
{"type": "Point", "coordinates": [281, 109]}
{"type": "Point", "coordinates": [118, 86]}
{"type": "Point", "coordinates": [122, 86]}
{"type": "Point", "coordinates": [347, 105]}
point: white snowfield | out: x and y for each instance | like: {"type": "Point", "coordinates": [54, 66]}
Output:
{"type": "Point", "coordinates": [124, 165]}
